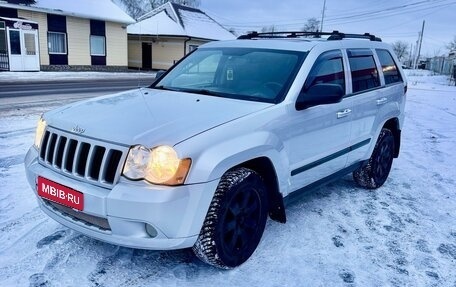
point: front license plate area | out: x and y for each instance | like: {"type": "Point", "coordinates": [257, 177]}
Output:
{"type": "Point", "coordinates": [60, 194]}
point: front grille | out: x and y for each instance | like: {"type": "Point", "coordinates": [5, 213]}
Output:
{"type": "Point", "coordinates": [86, 219]}
{"type": "Point", "coordinates": [82, 158]}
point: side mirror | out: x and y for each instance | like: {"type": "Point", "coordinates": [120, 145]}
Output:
{"type": "Point", "coordinates": [320, 94]}
{"type": "Point", "coordinates": [159, 74]}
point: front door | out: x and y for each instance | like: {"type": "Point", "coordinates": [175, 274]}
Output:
{"type": "Point", "coordinates": [147, 56]}
{"type": "Point", "coordinates": [23, 50]}
{"type": "Point", "coordinates": [30, 55]}
{"type": "Point", "coordinates": [15, 49]}
{"type": "Point", "coordinates": [319, 137]}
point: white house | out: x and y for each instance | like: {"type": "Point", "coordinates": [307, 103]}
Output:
{"type": "Point", "coordinates": [63, 34]}
{"type": "Point", "coordinates": [169, 32]}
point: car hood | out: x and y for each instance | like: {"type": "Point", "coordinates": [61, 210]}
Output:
{"type": "Point", "coordinates": [148, 116]}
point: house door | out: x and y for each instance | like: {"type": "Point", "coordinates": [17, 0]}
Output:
{"type": "Point", "coordinates": [23, 50]}
{"type": "Point", "coordinates": [4, 59]}
{"type": "Point", "coordinates": [30, 54]}
{"type": "Point", "coordinates": [147, 56]}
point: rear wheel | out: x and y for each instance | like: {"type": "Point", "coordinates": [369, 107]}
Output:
{"type": "Point", "coordinates": [235, 221]}
{"type": "Point", "coordinates": [376, 171]}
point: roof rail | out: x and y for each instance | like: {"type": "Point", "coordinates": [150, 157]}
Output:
{"type": "Point", "coordinates": [334, 35]}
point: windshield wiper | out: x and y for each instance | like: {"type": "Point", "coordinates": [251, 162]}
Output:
{"type": "Point", "coordinates": [203, 92]}
{"type": "Point", "coordinates": [166, 88]}
{"type": "Point", "coordinates": [192, 91]}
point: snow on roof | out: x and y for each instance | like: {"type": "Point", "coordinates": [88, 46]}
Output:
{"type": "Point", "coordinates": [18, 20]}
{"type": "Point", "coordinates": [91, 9]}
{"type": "Point", "coordinates": [177, 20]}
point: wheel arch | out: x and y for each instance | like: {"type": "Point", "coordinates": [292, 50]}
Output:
{"type": "Point", "coordinates": [265, 168]}
{"type": "Point", "coordinates": [394, 126]}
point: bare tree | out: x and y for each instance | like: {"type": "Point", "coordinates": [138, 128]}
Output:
{"type": "Point", "coordinates": [190, 3]}
{"type": "Point", "coordinates": [312, 25]}
{"type": "Point", "coordinates": [401, 50]}
{"type": "Point", "coordinates": [26, 2]}
{"type": "Point", "coordinates": [134, 9]}
{"type": "Point", "coordinates": [452, 45]}
{"type": "Point", "coordinates": [267, 29]}
{"type": "Point", "coordinates": [140, 7]}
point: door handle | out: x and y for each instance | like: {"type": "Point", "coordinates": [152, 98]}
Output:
{"type": "Point", "coordinates": [382, 101]}
{"type": "Point", "coordinates": [344, 113]}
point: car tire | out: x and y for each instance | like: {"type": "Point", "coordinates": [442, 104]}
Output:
{"type": "Point", "coordinates": [376, 171]}
{"type": "Point", "coordinates": [235, 221]}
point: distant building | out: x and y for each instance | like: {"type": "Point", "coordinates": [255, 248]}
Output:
{"type": "Point", "coordinates": [169, 32]}
{"type": "Point", "coordinates": [445, 65]}
{"type": "Point", "coordinates": [62, 35]}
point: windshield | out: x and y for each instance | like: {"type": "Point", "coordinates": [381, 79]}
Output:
{"type": "Point", "coordinates": [239, 73]}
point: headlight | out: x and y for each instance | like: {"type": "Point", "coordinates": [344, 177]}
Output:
{"type": "Point", "coordinates": [40, 128]}
{"type": "Point", "coordinates": [159, 165]}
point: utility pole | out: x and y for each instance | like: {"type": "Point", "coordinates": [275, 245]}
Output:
{"type": "Point", "coordinates": [410, 60]}
{"type": "Point", "coordinates": [419, 46]}
{"type": "Point", "coordinates": [322, 16]}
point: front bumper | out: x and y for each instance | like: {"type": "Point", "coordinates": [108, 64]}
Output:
{"type": "Point", "coordinates": [175, 213]}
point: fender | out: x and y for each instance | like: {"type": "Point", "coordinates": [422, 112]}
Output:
{"type": "Point", "coordinates": [214, 160]}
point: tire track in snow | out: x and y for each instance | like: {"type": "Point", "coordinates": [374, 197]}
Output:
{"type": "Point", "coordinates": [9, 161]}
{"type": "Point", "coordinates": [19, 132]}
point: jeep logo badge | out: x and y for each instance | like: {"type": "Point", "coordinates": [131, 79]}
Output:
{"type": "Point", "coordinates": [78, 130]}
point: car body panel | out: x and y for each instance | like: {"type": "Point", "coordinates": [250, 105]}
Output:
{"type": "Point", "coordinates": [217, 134]}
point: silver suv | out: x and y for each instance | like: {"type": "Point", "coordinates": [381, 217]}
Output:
{"type": "Point", "coordinates": [221, 141]}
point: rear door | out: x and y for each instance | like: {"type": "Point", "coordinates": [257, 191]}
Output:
{"type": "Point", "coordinates": [365, 89]}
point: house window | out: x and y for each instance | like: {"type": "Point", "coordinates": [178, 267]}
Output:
{"type": "Point", "coordinates": [15, 42]}
{"type": "Point", "coordinates": [57, 43]}
{"type": "Point", "coordinates": [97, 45]}
{"type": "Point", "coordinates": [29, 43]}
{"type": "Point", "coordinates": [2, 38]}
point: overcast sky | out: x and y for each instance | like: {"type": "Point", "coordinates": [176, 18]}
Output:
{"type": "Point", "coordinates": [388, 19]}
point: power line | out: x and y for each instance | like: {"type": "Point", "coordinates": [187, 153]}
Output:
{"type": "Point", "coordinates": [381, 11]}
{"type": "Point", "coordinates": [390, 14]}
{"type": "Point", "coordinates": [349, 17]}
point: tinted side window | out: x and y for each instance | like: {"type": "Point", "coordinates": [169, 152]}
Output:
{"type": "Point", "coordinates": [363, 70]}
{"type": "Point", "coordinates": [328, 69]}
{"type": "Point", "coordinates": [390, 70]}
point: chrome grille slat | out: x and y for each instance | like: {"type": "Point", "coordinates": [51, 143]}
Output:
{"type": "Point", "coordinates": [96, 162]}
{"type": "Point", "coordinates": [44, 145]}
{"type": "Point", "coordinates": [82, 158]}
{"type": "Point", "coordinates": [48, 148]}
{"type": "Point", "coordinates": [76, 159]}
{"type": "Point", "coordinates": [65, 155]}
{"type": "Point", "coordinates": [89, 164]}
{"type": "Point", "coordinates": [102, 173]}
{"type": "Point", "coordinates": [60, 149]}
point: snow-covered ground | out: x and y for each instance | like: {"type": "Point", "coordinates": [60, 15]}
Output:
{"type": "Point", "coordinates": [403, 234]}
{"type": "Point", "coordinates": [21, 77]}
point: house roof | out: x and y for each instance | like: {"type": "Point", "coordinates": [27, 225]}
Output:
{"type": "Point", "coordinates": [104, 10]}
{"type": "Point", "coordinates": [177, 20]}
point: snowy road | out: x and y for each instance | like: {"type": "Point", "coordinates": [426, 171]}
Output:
{"type": "Point", "coordinates": [403, 234]}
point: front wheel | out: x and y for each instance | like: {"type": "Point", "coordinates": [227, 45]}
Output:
{"type": "Point", "coordinates": [235, 220]}
{"type": "Point", "coordinates": [376, 171]}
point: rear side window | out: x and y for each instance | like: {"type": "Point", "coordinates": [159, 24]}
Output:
{"type": "Point", "coordinates": [389, 67]}
{"type": "Point", "coordinates": [328, 69]}
{"type": "Point", "coordinates": [363, 70]}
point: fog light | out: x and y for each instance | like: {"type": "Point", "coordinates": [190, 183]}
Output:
{"type": "Point", "coordinates": [151, 231]}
